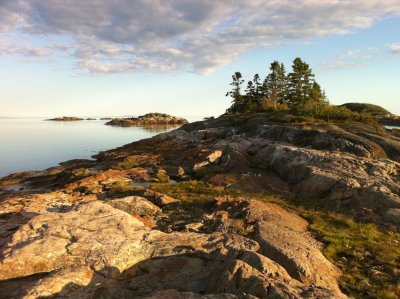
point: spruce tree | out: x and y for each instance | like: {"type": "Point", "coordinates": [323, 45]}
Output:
{"type": "Point", "coordinates": [251, 91]}
{"type": "Point", "coordinates": [276, 83]}
{"type": "Point", "coordinates": [258, 96]}
{"type": "Point", "coordinates": [316, 93]}
{"type": "Point", "coordinates": [258, 87]}
{"type": "Point", "coordinates": [300, 82]}
{"type": "Point", "coordinates": [235, 93]}
{"type": "Point", "coordinates": [252, 99]}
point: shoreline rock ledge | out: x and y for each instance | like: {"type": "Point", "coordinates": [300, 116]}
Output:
{"type": "Point", "coordinates": [161, 217]}
{"type": "Point", "coordinates": [148, 119]}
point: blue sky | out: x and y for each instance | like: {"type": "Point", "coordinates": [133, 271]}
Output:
{"type": "Point", "coordinates": [99, 58]}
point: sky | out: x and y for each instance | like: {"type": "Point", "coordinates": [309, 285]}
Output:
{"type": "Point", "coordinates": [130, 57]}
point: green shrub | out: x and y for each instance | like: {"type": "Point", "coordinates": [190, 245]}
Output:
{"type": "Point", "coordinates": [125, 165]}
{"type": "Point", "coordinates": [162, 176]}
{"type": "Point", "coordinates": [121, 189]}
{"type": "Point", "coordinates": [365, 108]}
{"type": "Point", "coordinates": [325, 111]}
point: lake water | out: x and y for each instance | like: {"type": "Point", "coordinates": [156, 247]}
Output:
{"type": "Point", "coordinates": [35, 144]}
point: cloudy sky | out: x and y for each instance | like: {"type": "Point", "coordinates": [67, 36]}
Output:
{"type": "Point", "coordinates": [98, 57]}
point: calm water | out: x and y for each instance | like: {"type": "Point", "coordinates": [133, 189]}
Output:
{"type": "Point", "coordinates": [34, 144]}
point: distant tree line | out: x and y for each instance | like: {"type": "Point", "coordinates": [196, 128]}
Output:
{"type": "Point", "coordinates": [278, 90]}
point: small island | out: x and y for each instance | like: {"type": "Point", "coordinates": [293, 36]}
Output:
{"type": "Point", "coordinates": [66, 118]}
{"type": "Point", "coordinates": [148, 119]}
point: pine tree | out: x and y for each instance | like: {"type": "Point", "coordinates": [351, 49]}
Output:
{"type": "Point", "coordinates": [300, 83]}
{"type": "Point", "coordinates": [317, 100]}
{"type": "Point", "coordinates": [258, 87]}
{"type": "Point", "coordinates": [235, 93]}
{"type": "Point", "coordinates": [276, 83]}
{"type": "Point", "coordinates": [259, 96]}
{"type": "Point", "coordinates": [252, 100]}
{"type": "Point", "coordinates": [298, 90]}
{"type": "Point", "coordinates": [316, 93]}
{"type": "Point", "coordinates": [251, 91]}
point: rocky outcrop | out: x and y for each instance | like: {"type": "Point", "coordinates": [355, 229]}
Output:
{"type": "Point", "coordinates": [148, 119]}
{"type": "Point", "coordinates": [348, 167]}
{"type": "Point", "coordinates": [99, 248]}
{"type": "Point", "coordinates": [93, 229]}
{"type": "Point", "coordinates": [66, 118]}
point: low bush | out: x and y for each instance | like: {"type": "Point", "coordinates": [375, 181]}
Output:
{"type": "Point", "coordinates": [125, 165]}
{"type": "Point", "coordinates": [162, 176]}
{"type": "Point", "coordinates": [325, 111]}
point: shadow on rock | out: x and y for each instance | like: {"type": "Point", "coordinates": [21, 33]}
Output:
{"type": "Point", "coordinates": [196, 275]}
{"type": "Point", "coordinates": [10, 223]}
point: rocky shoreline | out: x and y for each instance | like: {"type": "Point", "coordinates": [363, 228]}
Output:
{"type": "Point", "coordinates": [66, 118]}
{"type": "Point", "coordinates": [148, 119]}
{"type": "Point", "coordinates": [87, 229]}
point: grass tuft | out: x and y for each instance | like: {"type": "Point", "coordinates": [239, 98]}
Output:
{"type": "Point", "coordinates": [125, 165]}
{"type": "Point", "coordinates": [162, 176]}
{"type": "Point", "coordinates": [368, 257]}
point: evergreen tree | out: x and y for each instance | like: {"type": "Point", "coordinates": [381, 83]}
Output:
{"type": "Point", "coordinates": [264, 89]}
{"type": "Point", "coordinates": [258, 87]}
{"type": "Point", "coordinates": [235, 93]}
{"type": "Point", "coordinates": [251, 94]}
{"type": "Point", "coordinates": [300, 83]}
{"type": "Point", "coordinates": [252, 101]}
{"type": "Point", "coordinates": [317, 101]}
{"type": "Point", "coordinates": [276, 83]}
{"type": "Point", "coordinates": [316, 93]}
{"type": "Point", "coordinates": [298, 90]}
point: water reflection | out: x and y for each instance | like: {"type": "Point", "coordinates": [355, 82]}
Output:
{"type": "Point", "coordinates": [34, 144]}
{"type": "Point", "coordinates": [159, 128]}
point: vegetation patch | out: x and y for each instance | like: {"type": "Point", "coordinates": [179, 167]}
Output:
{"type": "Point", "coordinates": [122, 190]}
{"type": "Point", "coordinates": [189, 193]}
{"type": "Point", "coordinates": [125, 165]}
{"type": "Point", "coordinates": [298, 92]}
{"type": "Point", "coordinates": [162, 176]}
{"type": "Point", "coordinates": [366, 108]}
{"type": "Point", "coordinates": [207, 171]}
{"type": "Point", "coordinates": [368, 257]}
{"type": "Point", "coordinates": [148, 119]}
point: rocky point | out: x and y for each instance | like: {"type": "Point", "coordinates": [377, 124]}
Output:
{"type": "Point", "coordinates": [96, 228]}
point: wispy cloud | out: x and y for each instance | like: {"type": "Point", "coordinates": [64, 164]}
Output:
{"type": "Point", "coordinates": [355, 54]}
{"type": "Point", "coordinates": [351, 59]}
{"type": "Point", "coordinates": [25, 50]}
{"type": "Point", "coordinates": [332, 65]}
{"type": "Point", "coordinates": [166, 35]}
{"type": "Point", "coordinates": [394, 49]}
